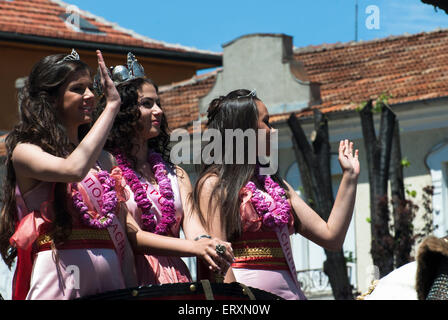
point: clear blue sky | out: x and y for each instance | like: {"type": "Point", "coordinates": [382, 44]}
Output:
{"type": "Point", "coordinates": [207, 24]}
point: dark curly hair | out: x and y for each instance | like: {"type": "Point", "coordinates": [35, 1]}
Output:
{"type": "Point", "coordinates": [126, 126]}
{"type": "Point", "coordinates": [39, 125]}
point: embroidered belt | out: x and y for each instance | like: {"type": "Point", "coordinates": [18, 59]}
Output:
{"type": "Point", "coordinates": [259, 250]}
{"type": "Point", "coordinates": [79, 239]}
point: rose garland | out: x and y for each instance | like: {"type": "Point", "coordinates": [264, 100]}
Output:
{"type": "Point", "coordinates": [281, 214]}
{"type": "Point", "coordinates": [168, 209]}
{"type": "Point", "coordinates": [109, 200]}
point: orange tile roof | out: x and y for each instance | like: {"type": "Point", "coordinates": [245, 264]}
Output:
{"type": "Point", "coordinates": [408, 67]}
{"type": "Point", "coordinates": [42, 18]}
{"type": "Point", "coordinates": [180, 100]}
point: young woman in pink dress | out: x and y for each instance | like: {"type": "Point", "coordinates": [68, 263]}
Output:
{"type": "Point", "coordinates": [156, 190]}
{"type": "Point", "coordinates": [62, 216]}
{"type": "Point", "coordinates": [256, 212]}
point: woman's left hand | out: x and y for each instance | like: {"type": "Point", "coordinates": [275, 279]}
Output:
{"type": "Point", "coordinates": [207, 250]}
{"type": "Point", "coordinates": [108, 86]}
{"type": "Point", "coordinates": [347, 159]}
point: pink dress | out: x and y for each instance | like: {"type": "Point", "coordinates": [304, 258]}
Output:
{"type": "Point", "coordinates": [86, 264]}
{"type": "Point", "coordinates": [259, 257]}
{"type": "Point", "coordinates": [153, 269]}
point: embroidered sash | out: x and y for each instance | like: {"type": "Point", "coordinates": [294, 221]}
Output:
{"type": "Point", "coordinates": [94, 189]}
{"type": "Point", "coordinates": [283, 238]}
{"type": "Point", "coordinates": [156, 198]}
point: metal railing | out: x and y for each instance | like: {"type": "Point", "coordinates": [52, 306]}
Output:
{"type": "Point", "coordinates": [315, 281]}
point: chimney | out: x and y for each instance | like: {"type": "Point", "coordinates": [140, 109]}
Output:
{"type": "Point", "coordinates": [264, 62]}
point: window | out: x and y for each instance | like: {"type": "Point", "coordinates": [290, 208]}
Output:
{"type": "Point", "coordinates": [437, 161]}
{"type": "Point", "coordinates": [78, 23]}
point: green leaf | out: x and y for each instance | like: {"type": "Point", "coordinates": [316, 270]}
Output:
{"type": "Point", "coordinates": [381, 101]}
{"type": "Point", "coordinates": [411, 193]}
{"type": "Point", "coordinates": [348, 255]}
{"type": "Point", "coordinates": [378, 107]}
{"type": "Point", "coordinates": [361, 106]}
{"type": "Point", "coordinates": [405, 163]}
{"type": "Point", "coordinates": [368, 220]}
{"type": "Point", "coordinates": [384, 98]}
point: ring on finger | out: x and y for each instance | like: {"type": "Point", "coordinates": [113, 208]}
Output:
{"type": "Point", "coordinates": [220, 249]}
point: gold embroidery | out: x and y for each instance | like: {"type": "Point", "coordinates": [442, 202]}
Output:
{"type": "Point", "coordinates": [369, 290]}
{"type": "Point", "coordinates": [78, 234]}
{"type": "Point", "coordinates": [260, 252]}
{"type": "Point", "coordinates": [43, 239]}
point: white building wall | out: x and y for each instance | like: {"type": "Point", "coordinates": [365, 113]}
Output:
{"type": "Point", "coordinates": [423, 126]}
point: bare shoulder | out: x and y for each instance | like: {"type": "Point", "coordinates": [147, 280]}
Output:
{"type": "Point", "coordinates": [24, 147]}
{"type": "Point", "coordinates": [180, 172]}
{"type": "Point", "coordinates": [287, 185]}
{"type": "Point", "coordinates": [291, 192]}
{"type": "Point", "coordinates": [22, 157]}
{"type": "Point", "coordinates": [182, 179]}
{"type": "Point", "coordinates": [209, 181]}
{"type": "Point", "coordinates": [23, 152]}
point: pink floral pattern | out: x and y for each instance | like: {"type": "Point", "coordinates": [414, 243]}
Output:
{"type": "Point", "coordinates": [109, 203]}
{"type": "Point", "coordinates": [168, 209]}
{"type": "Point", "coordinates": [280, 215]}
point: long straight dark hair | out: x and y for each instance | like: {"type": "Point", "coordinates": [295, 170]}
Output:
{"type": "Point", "coordinates": [39, 125]}
{"type": "Point", "coordinates": [236, 110]}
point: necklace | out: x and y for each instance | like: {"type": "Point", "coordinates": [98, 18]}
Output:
{"type": "Point", "coordinates": [280, 215]}
{"type": "Point", "coordinates": [109, 203]}
{"type": "Point", "coordinates": [168, 209]}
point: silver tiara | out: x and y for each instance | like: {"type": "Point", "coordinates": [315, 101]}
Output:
{"type": "Point", "coordinates": [121, 73]}
{"type": "Point", "coordinates": [73, 56]}
{"type": "Point", "coordinates": [252, 94]}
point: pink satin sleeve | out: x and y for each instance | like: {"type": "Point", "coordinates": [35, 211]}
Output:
{"type": "Point", "coordinates": [27, 231]}
{"type": "Point", "coordinates": [250, 220]}
{"type": "Point", "coordinates": [31, 223]}
{"type": "Point", "coordinates": [120, 184]}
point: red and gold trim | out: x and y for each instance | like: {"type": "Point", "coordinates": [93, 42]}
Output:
{"type": "Point", "coordinates": [79, 239]}
{"type": "Point", "coordinates": [259, 250]}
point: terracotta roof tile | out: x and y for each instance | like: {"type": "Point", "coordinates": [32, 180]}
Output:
{"type": "Point", "coordinates": [42, 18]}
{"type": "Point", "coordinates": [180, 100]}
{"type": "Point", "coordinates": [408, 67]}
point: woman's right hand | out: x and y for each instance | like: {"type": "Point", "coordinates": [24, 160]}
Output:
{"type": "Point", "coordinates": [108, 86]}
{"type": "Point", "coordinates": [205, 249]}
